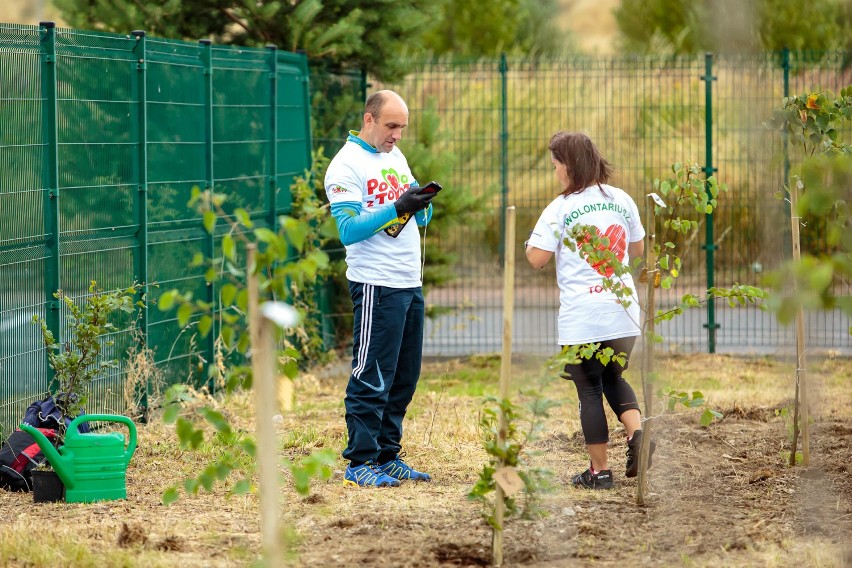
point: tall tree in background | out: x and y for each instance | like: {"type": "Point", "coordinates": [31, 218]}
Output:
{"type": "Point", "coordinates": [685, 26]}
{"type": "Point", "coordinates": [468, 28]}
{"type": "Point", "coordinates": [805, 24]}
{"type": "Point", "coordinates": [376, 35]}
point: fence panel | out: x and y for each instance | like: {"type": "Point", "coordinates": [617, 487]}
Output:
{"type": "Point", "coordinates": [645, 114]}
{"type": "Point", "coordinates": [23, 252]}
{"type": "Point", "coordinates": [102, 139]}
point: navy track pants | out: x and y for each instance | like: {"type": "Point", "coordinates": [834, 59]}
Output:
{"type": "Point", "coordinates": [386, 357]}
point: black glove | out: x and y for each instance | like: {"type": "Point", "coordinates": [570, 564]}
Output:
{"type": "Point", "coordinates": [412, 201]}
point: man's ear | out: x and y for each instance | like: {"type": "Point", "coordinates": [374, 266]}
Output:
{"type": "Point", "coordinates": [368, 118]}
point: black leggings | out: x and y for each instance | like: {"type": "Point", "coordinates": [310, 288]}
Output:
{"type": "Point", "coordinates": [594, 380]}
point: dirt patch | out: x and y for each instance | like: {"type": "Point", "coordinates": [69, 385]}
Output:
{"type": "Point", "coordinates": [718, 496]}
{"type": "Point", "coordinates": [723, 496]}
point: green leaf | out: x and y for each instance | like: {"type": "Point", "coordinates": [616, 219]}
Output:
{"type": "Point", "coordinates": [170, 495]}
{"type": "Point", "coordinates": [209, 221]}
{"type": "Point", "coordinates": [291, 369]}
{"type": "Point", "coordinates": [264, 235]}
{"type": "Point", "coordinates": [229, 249]}
{"type": "Point", "coordinates": [183, 314]}
{"type": "Point", "coordinates": [207, 480]}
{"type": "Point", "coordinates": [241, 487]}
{"type": "Point", "coordinates": [706, 418]}
{"type": "Point", "coordinates": [228, 293]}
{"type": "Point", "coordinates": [216, 419]}
{"type": "Point", "coordinates": [171, 413]}
{"type": "Point", "coordinates": [243, 218]}
{"type": "Point", "coordinates": [167, 300]}
{"type": "Point", "coordinates": [195, 194]}
{"type": "Point", "coordinates": [204, 325]}
{"type": "Point", "coordinates": [227, 333]}
{"type": "Point", "coordinates": [242, 300]}
{"type": "Point", "coordinates": [297, 232]}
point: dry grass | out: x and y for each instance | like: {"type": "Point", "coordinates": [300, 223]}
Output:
{"type": "Point", "coordinates": [720, 496]}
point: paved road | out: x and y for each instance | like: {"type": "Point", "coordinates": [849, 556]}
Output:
{"type": "Point", "coordinates": [479, 330]}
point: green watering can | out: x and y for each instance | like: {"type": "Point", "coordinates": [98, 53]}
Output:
{"type": "Point", "coordinates": [92, 466]}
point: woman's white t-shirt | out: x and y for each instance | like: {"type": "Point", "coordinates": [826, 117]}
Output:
{"type": "Point", "coordinates": [587, 312]}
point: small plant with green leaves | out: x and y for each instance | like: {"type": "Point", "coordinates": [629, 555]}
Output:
{"type": "Point", "coordinates": [77, 361]}
{"type": "Point", "coordinates": [289, 261]}
{"type": "Point", "coordinates": [233, 451]}
{"type": "Point", "coordinates": [815, 126]}
{"type": "Point", "coordinates": [523, 427]}
{"type": "Point", "coordinates": [694, 399]}
{"type": "Point", "coordinates": [792, 432]}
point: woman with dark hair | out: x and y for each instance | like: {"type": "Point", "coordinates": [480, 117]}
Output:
{"type": "Point", "coordinates": [588, 311]}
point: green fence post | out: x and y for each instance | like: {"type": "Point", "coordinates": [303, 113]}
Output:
{"type": "Point", "coordinates": [709, 246]}
{"type": "Point", "coordinates": [140, 197]}
{"type": "Point", "coordinates": [51, 185]}
{"type": "Point", "coordinates": [786, 243]}
{"type": "Point", "coordinates": [272, 175]}
{"type": "Point", "coordinates": [504, 149]}
{"type": "Point", "coordinates": [209, 241]}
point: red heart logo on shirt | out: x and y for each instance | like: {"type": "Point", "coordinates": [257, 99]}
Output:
{"type": "Point", "coordinates": [617, 244]}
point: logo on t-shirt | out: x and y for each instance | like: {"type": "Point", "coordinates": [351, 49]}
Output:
{"type": "Point", "coordinates": [337, 190]}
{"type": "Point", "coordinates": [617, 244]}
{"type": "Point", "coordinates": [388, 189]}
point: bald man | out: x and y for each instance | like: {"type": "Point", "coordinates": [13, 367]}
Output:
{"type": "Point", "coordinates": [372, 194]}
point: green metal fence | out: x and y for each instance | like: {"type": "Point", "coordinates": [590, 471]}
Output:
{"type": "Point", "coordinates": [645, 113]}
{"type": "Point", "coordinates": [102, 138]}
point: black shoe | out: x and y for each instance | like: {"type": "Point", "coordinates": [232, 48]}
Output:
{"type": "Point", "coordinates": [599, 480]}
{"type": "Point", "coordinates": [633, 446]}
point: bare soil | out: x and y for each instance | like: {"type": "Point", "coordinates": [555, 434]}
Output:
{"type": "Point", "coordinates": [719, 496]}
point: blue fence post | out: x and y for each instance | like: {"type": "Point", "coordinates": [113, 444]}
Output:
{"type": "Point", "coordinates": [51, 186]}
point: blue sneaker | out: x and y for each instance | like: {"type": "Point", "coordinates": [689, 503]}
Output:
{"type": "Point", "coordinates": [398, 469]}
{"type": "Point", "coordinates": [368, 475]}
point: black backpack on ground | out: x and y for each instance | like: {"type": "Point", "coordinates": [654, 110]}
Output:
{"type": "Point", "coordinates": [19, 455]}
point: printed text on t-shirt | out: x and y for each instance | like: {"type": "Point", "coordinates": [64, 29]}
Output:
{"type": "Point", "coordinates": [592, 207]}
{"type": "Point", "coordinates": [387, 190]}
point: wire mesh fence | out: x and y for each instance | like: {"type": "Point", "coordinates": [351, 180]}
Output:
{"type": "Point", "coordinates": [102, 139]}
{"type": "Point", "coordinates": [645, 114]}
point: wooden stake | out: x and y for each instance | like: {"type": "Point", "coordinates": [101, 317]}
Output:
{"type": "Point", "coordinates": [651, 271]}
{"type": "Point", "coordinates": [800, 401]}
{"type": "Point", "coordinates": [262, 333]}
{"type": "Point", "coordinates": [505, 371]}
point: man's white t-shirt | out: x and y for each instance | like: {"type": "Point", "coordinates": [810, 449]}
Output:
{"type": "Point", "coordinates": [587, 313]}
{"type": "Point", "coordinates": [357, 174]}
